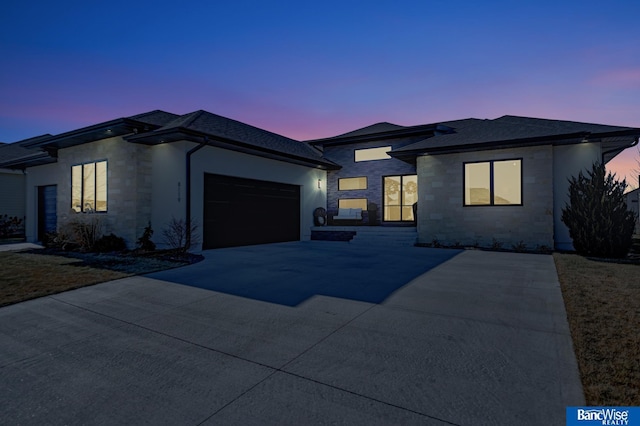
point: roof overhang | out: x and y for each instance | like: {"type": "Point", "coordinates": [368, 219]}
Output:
{"type": "Point", "coordinates": [109, 129]}
{"type": "Point", "coordinates": [184, 134]}
{"type": "Point", "coordinates": [427, 129]}
{"type": "Point", "coordinates": [612, 144]}
{"type": "Point", "coordinates": [31, 160]}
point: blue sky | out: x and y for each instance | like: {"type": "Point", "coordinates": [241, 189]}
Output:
{"type": "Point", "coordinates": [316, 69]}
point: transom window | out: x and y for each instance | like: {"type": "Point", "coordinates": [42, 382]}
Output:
{"type": "Point", "coordinates": [346, 184]}
{"type": "Point", "coordinates": [493, 183]}
{"type": "Point", "coordinates": [352, 203]}
{"type": "Point", "coordinates": [400, 194]}
{"type": "Point", "coordinates": [370, 154]}
{"type": "Point", "coordinates": [89, 187]}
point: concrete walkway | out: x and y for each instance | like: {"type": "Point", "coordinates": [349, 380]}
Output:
{"type": "Point", "coordinates": [19, 246]}
{"type": "Point", "coordinates": [479, 339]}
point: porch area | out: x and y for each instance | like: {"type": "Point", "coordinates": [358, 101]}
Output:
{"type": "Point", "coordinates": [367, 235]}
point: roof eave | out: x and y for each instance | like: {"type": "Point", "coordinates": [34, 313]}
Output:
{"type": "Point", "coordinates": [109, 129]}
{"type": "Point", "coordinates": [183, 134]}
{"type": "Point", "coordinates": [390, 134]}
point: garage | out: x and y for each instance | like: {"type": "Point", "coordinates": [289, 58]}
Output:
{"type": "Point", "coordinates": [240, 212]}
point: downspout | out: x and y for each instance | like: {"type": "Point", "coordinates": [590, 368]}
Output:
{"type": "Point", "coordinates": [202, 144]}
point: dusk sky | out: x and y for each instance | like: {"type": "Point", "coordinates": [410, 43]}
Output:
{"type": "Point", "coordinates": [316, 69]}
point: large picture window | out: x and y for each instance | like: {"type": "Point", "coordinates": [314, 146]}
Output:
{"type": "Point", "coordinates": [493, 183]}
{"type": "Point", "coordinates": [89, 187]}
{"type": "Point", "coordinates": [400, 193]}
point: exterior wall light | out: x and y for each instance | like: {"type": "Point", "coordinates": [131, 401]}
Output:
{"type": "Point", "coordinates": [319, 183]}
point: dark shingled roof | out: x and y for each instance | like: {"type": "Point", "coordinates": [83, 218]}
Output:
{"type": "Point", "coordinates": [225, 129]}
{"type": "Point", "coordinates": [508, 129]}
{"type": "Point", "coordinates": [156, 117]}
{"type": "Point", "coordinates": [20, 152]}
{"type": "Point", "coordinates": [374, 128]}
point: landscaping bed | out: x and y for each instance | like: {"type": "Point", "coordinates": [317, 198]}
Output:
{"type": "Point", "coordinates": [35, 273]}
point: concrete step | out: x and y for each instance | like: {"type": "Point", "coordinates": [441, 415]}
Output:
{"type": "Point", "coordinates": [399, 237]}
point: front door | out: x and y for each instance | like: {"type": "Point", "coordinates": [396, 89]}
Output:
{"type": "Point", "coordinates": [400, 193]}
{"type": "Point", "coordinates": [47, 216]}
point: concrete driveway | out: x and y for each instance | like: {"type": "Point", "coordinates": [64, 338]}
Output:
{"type": "Point", "coordinates": [462, 338]}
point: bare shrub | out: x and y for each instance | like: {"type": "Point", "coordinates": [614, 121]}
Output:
{"type": "Point", "coordinates": [181, 236]}
{"type": "Point", "coordinates": [81, 231]}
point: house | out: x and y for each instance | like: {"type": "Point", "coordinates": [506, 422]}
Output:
{"type": "Point", "coordinates": [13, 180]}
{"type": "Point", "coordinates": [241, 184]}
{"type": "Point", "coordinates": [631, 199]}
{"type": "Point", "coordinates": [474, 182]}
{"type": "Point", "coordinates": [467, 182]}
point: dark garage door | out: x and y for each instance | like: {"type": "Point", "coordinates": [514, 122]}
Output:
{"type": "Point", "coordinates": [240, 212]}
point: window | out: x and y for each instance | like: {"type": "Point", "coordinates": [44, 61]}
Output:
{"type": "Point", "coordinates": [400, 193]}
{"type": "Point", "coordinates": [89, 187]}
{"type": "Point", "coordinates": [493, 183]}
{"type": "Point", "coordinates": [370, 154]}
{"type": "Point", "coordinates": [352, 203]}
{"type": "Point", "coordinates": [346, 184]}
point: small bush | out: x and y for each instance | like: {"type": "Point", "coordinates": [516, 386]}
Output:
{"type": "Point", "coordinates": [597, 216]}
{"type": "Point", "coordinates": [520, 247]}
{"type": "Point", "coordinates": [109, 243]}
{"type": "Point", "coordinates": [144, 242]}
{"type": "Point", "coordinates": [179, 236]}
{"type": "Point", "coordinates": [496, 245]}
{"type": "Point", "coordinates": [80, 232]}
{"type": "Point", "coordinates": [11, 226]}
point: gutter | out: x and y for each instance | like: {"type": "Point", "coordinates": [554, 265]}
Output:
{"type": "Point", "coordinates": [192, 151]}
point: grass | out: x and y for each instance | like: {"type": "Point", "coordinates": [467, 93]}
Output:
{"type": "Point", "coordinates": [27, 275]}
{"type": "Point", "coordinates": [602, 300]}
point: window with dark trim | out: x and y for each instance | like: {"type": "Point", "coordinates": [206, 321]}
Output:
{"type": "Point", "coordinates": [371, 154]}
{"type": "Point", "coordinates": [400, 194]}
{"type": "Point", "coordinates": [352, 203]}
{"type": "Point", "coordinates": [347, 184]}
{"type": "Point", "coordinates": [493, 183]}
{"type": "Point", "coordinates": [89, 187]}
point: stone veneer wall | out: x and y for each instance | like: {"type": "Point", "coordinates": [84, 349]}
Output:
{"type": "Point", "coordinates": [442, 216]}
{"type": "Point", "coordinates": [373, 170]}
{"type": "Point", "coordinates": [129, 185]}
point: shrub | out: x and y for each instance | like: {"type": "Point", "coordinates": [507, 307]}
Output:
{"type": "Point", "coordinates": [109, 243]}
{"type": "Point", "coordinates": [81, 232]}
{"type": "Point", "coordinates": [144, 242]}
{"type": "Point", "coordinates": [597, 216]}
{"type": "Point", "coordinates": [179, 236]}
{"type": "Point", "coordinates": [11, 226]}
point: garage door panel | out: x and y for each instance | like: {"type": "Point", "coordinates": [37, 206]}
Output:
{"type": "Point", "coordinates": [240, 211]}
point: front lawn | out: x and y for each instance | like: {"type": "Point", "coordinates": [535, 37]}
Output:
{"type": "Point", "coordinates": [27, 275]}
{"type": "Point", "coordinates": [602, 300]}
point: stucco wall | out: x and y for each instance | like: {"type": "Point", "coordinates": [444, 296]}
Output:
{"type": "Point", "coordinates": [12, 184]}
{"type": "Point", "coordinates": [373, 170]}
{"type": "Point", "coordinates": [37, 176]}
{"type": "Point", "coordinates": [569, 160]}
{"type": "Point", "coordinates": [169, 181]}
{"type": "Point", "coordinates": [442, 216]}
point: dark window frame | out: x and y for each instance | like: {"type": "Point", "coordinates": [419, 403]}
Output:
{"type": "Point", "coordinates": [83, 209]}
{"type": "Point", "coordinates": [366, 183]}
{"type": "Point", "coordinates": [492, 183]}
{"type": "Point", "coordinates": [372, 148]}
{"type": "Point", "coordinates": [366, 200]}
{"type": "Point", "coordinates": [401, 176]}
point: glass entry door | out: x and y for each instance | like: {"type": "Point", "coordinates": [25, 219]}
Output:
{"type": "Point", "coordinates": [400, 193]}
